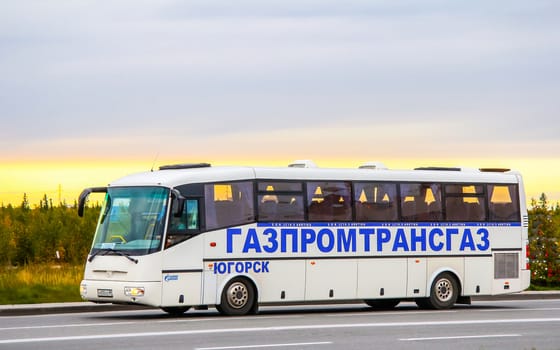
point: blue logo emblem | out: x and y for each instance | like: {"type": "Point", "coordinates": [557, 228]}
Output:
{"type": "Point", "coordinates": [168, 278]}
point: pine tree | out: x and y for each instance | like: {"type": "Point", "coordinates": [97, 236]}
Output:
{"type": "Point", "coordinates": [25, 202]}
{"type": "Point", "coordinates": [543, 243]}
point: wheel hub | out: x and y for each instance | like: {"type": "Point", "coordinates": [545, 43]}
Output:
{"type": "Point", "coordinates": [237, 295]}
{"type": "Point", "coordinates": [444, 290]}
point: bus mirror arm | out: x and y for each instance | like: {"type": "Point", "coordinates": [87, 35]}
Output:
{"type": "Point", "coordinates": [180, 202]}
{"type": "Point", "coordinates": [83, 196]}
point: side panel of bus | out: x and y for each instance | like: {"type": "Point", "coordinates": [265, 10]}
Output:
{"type": "Point", "coordinates": [285, 282]}
{"type": "Point", "coordinates": [331, 279]}
{"type": "Point", "coordinates": [382, 278]}
{"type": "Point", "coordinates": [181, 288]}
{"type": "Point", "coordinates": [182, 274]}
{"type": "Point", "coordinates": [478, 276]}
{"type": "Point", "coordinates": [416, 277]}
{"type": "Point", "coordinates": [275, 280]}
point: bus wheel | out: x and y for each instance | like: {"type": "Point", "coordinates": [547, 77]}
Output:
{"type": "Point", "coordinates": [176, 311]}
{"type": "Point", "coordinates": [444, 292]}
{"type": "Point", "coordinates": [238, 297]}
{"type": "Point", "coordinates": [382, 304]}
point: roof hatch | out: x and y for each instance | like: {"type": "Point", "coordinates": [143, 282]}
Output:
{"type": "Point", "coordinates": [302, 163]}
{"type": "Point", "coordinates": [184, 166]}
{"type": "Point", "coordinates": [373, 166]}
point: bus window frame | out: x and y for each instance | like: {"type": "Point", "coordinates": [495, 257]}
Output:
{"type": "Point", "coordinates": [481, 196]}
{"type": "Point", "coordinates": [395, 201]}
{"type": "Point", "coordinates": [514, 201]}
{"type": "Point", "coordinates": [252, 183]}
{"type": "Point", "coordinates": [309, 199]}
{"type": "Point", "coordinates": [298, 194]}
{"type": "Point", "coordinates": [176, 236]}
{"type": "Point", "coordinates": [400, 203]}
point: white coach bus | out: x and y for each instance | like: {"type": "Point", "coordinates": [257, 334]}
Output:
{"type": "Point", "coordinates": [193, 235]}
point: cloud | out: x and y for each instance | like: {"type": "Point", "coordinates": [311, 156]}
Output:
{"type": "Point", "coordinates": [143, 74]}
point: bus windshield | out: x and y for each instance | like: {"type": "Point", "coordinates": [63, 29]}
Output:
{"type": "Point", "coordinates": [132, 221]}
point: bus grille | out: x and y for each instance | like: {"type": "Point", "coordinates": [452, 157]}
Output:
{"type": "Point", "coordinates": [506, 265]}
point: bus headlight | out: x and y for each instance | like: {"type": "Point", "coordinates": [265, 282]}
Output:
{"type": "Point", "coordinates": [134, 291]}
{"type": "Point", "coordinates": [83, 291]}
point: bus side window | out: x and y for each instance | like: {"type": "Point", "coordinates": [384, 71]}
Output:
{"type": "Point", "coordinates": [191, 207]}
{"type": "Point", "coordinates": [189, 219]}
{"type": "Point", "coordinates": [421, 202]}
{"type": "Point", "coordinates": [465, 202]}
{"type": "Point", "coordinates": [375, 201]}
{"type": "Point", "coordinates": [503, 203]}
{"type": "Point", "coordinates": [329, 201]}
{"type": "Point", "coordinates": [228, 204]}
{"type": "Point", "coordinates": [280, 201]}
{"type": "Point", "coordinates": [185, 226]}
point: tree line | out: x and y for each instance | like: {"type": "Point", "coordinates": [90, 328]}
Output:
{"type": "Point", "coordinates": [46, 233]}
{"type": "Point", "coordinates": [50, 233]}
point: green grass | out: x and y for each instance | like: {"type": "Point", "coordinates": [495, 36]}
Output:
{"type": "Point", "coordinates": [541, 288]}
{"type": "Point", "coordinates": [33, 284]}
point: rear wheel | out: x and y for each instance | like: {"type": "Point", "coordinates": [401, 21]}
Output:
{"type": "Point", "coordinates": [238, 298]}
{"type": "Point", "coordinates": [443, 293]}
{"type": "Point", "coordinates": [382, 304]}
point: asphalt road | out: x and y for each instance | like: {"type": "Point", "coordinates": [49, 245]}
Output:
{"type": "Point", "coordinates": [494, 324]}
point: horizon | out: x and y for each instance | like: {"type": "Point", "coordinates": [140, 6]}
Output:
{"type": "Point", "coordinates": [62, 182]}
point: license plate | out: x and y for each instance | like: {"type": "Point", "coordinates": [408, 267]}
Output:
{"type": "Point", "coordinates": [105, 293]}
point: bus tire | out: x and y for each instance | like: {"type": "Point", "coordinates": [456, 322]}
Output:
{"type": "Point", "coordinates": [444, 292]}
{"type": "Point", "coordinates": [176, 310]}
{"type": "Point", "coordinates": [382, 304]}
{"type": "Point", "coordinates": [423, 303]}
{"type": "Point", "coordinates": [238, 297]}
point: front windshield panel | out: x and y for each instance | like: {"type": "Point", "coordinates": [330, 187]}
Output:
{"type": "Point", "coordinates": [132, 220]}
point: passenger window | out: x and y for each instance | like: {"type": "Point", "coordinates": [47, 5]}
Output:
{"type": "Point", "coordinates": [421, 202]}
{"type": "Point", "coordinates": [280, 201]}
{"type": "Point", "coordinates": [465, 202]}
{"type": "Point", "coordinates": [503, 203]}
{"type": "Point", "coordinates": [375, 201]}
{"type": "Point", "coordinates": [329, 201]}
{"type": "Point", "coordinates": [228, 204]}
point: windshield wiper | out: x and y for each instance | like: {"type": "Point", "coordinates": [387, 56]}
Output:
{"type": "Point", "coordinates": [117, 252]}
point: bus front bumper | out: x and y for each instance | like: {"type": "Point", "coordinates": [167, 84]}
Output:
{"type": "Point", "coordinates": [116, 292]}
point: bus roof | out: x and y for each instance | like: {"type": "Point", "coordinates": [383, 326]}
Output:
{"type": "Point", "coordinates": [180, 174]}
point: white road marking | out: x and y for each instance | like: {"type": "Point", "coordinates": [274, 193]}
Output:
{"type": "Point", "coordinates": [279, 328]}
{"type": "Point", "coordinates": [104, 324]}
{"type": "Point", "coordinates": [392, 313]}
{"type": "Point", "coordinates": [264, 346]}
{"type": "Point", "coordinates": [463, 337]}
{"type": "Point", "coordinates": [213, 319]}
{"type": "Point", "coordinates": [513, 310]}
{"type": "Point", "coordinates": [68, 325]}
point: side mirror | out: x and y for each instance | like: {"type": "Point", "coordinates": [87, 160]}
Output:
{"type": "Point", "coordinates": [83, 196]}
{"type": "Point", "coordinates": [180, 202]}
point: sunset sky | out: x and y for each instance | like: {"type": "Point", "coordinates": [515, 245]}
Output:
{"type": "Point", "coordinates": [94, 90]}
